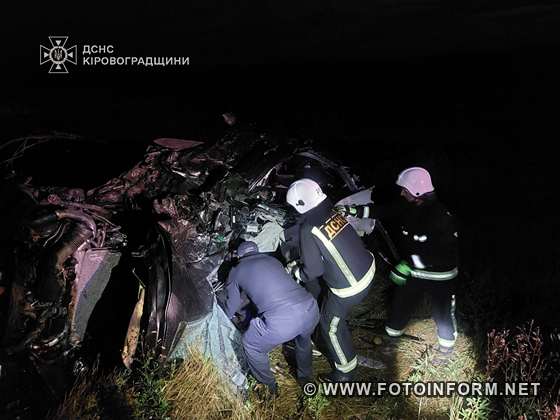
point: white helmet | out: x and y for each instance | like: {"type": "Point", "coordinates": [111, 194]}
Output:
{"type": "Point", "coordinates": [304, 195]}
{"type": "Point", "coordinates": [416, 180]}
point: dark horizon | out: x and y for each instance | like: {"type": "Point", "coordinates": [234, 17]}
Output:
{"type": "Point", "coordinates": [468, 90]}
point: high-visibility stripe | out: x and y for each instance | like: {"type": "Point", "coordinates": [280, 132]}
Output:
{"type": "Point", "coordinates": [344, 366]}
{"type": "Point", "coordinates": [422, 238]}
{"type": "Point", "coordinates": [362, 284]}
{"type": "Point", "coordinates": [417, 261]}
{"type": "Point", "coordinates": [336, 256]}
{"type": "Point", "coordinates": [454, 320]}
{"type": "Point", "coordinates": [366, 212]}
{"type": "Point", "coordinates": [356, 286]}
{"type": "Point", "coordinates": [446, 343]}
{"type": "Point", "coordinates": [348, 367]}
{"type": "Point", "coordinates": [435, 275]}
{"type": "Point", "coordinates": [393, 333]}
{"type": "Point", "coordinates": [333, 328]}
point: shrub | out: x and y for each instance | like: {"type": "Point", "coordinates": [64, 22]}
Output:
{"type": "Point", "coordinates": [520, 357]}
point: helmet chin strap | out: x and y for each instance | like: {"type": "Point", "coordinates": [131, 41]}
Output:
{"type": "Point", "coordinates": [408, 196]}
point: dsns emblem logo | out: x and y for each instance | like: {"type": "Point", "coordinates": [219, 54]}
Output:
{"type": "Point", "coordinates": [58, 54]}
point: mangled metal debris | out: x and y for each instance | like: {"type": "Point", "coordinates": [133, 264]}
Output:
{"type": "Point", "coordinates": [163, 229]}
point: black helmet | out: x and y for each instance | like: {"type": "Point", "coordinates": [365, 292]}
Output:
{"type": "Point", "coordinates": [246, 247]}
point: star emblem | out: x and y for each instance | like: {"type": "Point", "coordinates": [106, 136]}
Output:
{"type": "Point", "coordinates": [58, 54]}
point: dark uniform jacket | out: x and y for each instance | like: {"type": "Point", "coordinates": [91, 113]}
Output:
{"type": "Point", "coordinates": [425, 235]}
{"type": "Point", "coordinates": [331, 248]}
{"type": "Point", "coordinates": [267, 284]}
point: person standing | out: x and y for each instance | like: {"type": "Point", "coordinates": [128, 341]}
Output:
{"type": "Point", "coordinates": [427, 240]}
{"type": "Point", "coordinates": [331, 249]}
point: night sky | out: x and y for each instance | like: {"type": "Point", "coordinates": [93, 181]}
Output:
{"type": "Point", "coordinates": [469, 89]}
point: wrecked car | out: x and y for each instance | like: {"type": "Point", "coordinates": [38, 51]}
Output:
{"type": "Point", "coordinates": [134, 265]}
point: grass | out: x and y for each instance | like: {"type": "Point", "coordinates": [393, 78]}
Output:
{"type": "Point", "coordinates": [147, 387]}
{"type": "Point", "coordinates": [80, 402]}
{"type": "Point", "coordinates": [196, 389]}
{"type": "Point", "coordinates": [97, 396]}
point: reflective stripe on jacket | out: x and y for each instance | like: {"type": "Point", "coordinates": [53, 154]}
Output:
{"type": "Point", "coordinates": [331, 248]}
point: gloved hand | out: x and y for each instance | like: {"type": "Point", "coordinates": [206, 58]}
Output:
{"type": "Point", "coordinates": [296, 274]}
{"type": "Point", "coordinates": [293, 270]}
{"type": "Point", "coordinates": [346, 210]}
{"type": "Point", "coordinates": [400, 273]}
{"type": "Point", "coordinates": [290, 266]}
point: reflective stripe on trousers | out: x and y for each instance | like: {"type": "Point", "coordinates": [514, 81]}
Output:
{"type": "Point", "coordinates": [392, 332]}
{"type": "Point", "coordinates": [445, 342]}
{"type": "Point", "coordinates": [344, 365]}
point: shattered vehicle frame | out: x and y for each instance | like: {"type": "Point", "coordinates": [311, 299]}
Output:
{"type": "Point", "coordinates": [139, 260]}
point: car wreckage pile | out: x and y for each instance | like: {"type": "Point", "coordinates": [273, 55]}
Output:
{"type": "Point", "coordinates": [191, 203]}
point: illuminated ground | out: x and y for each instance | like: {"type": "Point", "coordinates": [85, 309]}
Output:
{"type": "Point", "coordinates": [149, 392]}
{"type": "Point", "coordinates": [405, 360]}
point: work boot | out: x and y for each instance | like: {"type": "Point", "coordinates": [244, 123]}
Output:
{"type": "Point", "coordinates": [315, 350]}
{"type": "Point", "coordinates": [336, 376]}
{"type": "Point", "coordinates": [266, 392]}
{"type": "Point", "coordinates": [392, 333]}
{"type": "Point", "coordinates": [304, 381]}
{"type": "Point", "coordinates": [273, 392]}
{"type": "Point", "coordinates": [442, 356]}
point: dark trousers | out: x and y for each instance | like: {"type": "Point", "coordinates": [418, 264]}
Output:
{"type": "Point", "coordinates": [314, 288]}
{"type": "Point", "coordinates": [265, 333]}
{"type": "Point", "coordinates": [335, 333]}
{"type": "Point", "coordinates": [443, 306]}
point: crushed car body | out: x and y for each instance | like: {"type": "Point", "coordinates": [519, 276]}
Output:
{"type": "Point", "coordinates": [139, 260]}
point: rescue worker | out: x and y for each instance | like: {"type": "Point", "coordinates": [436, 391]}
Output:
{"type": "Point", "coordinates": [426, 238]}
{"type": "Point", "coordinates": [286, 311]}
{"type": "Point", "coordinates": [331, 249]}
